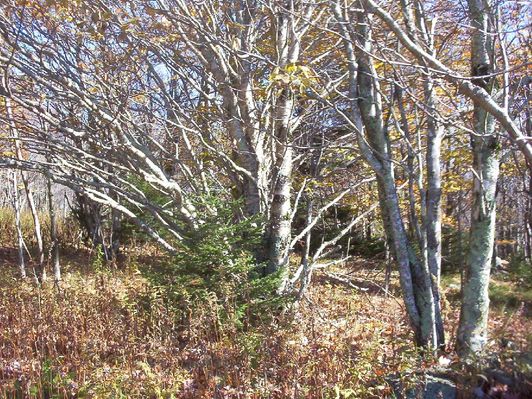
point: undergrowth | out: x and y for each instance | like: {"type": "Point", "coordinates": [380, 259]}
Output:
{"type": "Point", "coordinates": [113, 335]}
{"type": "Point", "coordinates": [204, 324]}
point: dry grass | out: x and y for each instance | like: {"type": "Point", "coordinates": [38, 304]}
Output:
{"type": "Point", "coordinates": [111, 335]}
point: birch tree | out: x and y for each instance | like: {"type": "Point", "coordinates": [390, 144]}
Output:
{"type": "Point", "coordinates": [479, 88]}
{"type": "Point", "coordinates": [146, 109]}
{"type": "Point", "coordinates": [374, 143]}
{"type": "Point", "coordinates": [40, 272]}
{"type": "Point", "coordinates": [18, 226]}
{"type": "Point", "coordinates": [179, 98]}
{"type": "Point", "coordinates": [472, 331]}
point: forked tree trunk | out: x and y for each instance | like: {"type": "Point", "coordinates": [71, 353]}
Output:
{"type": "Point", "coordinates": [473, 328]}
{"type": "Point", "coordinates": [374, 144]}
{"type": "Point", "coordinates": [430, 242]}
{"type": "Point", "coordinates": [414, 276]}
{"type": "Point", "coordinates": [280, 221]}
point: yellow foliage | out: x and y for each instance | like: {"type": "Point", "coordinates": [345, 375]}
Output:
{"type": "Point", "coordinates": [295, 76]}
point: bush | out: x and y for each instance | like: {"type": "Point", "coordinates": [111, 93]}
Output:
{"type": "Point", "coordinates": [520, 269]}
{"type": "Point", "coordinates": [216, 264]}
{"type": "Point", "coordinates": [455, 247]}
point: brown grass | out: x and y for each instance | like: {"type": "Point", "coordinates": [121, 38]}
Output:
{"type": "Point", "coordinates": [111, 335]}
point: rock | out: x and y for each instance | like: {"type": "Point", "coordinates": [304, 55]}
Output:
{"type": "Point", "coordinates": [478, 393]}
{"type": "Point", "coordinates": [495, 383]}
{"type": "Point", "coordinates": [430, 387]}
{"type": "Point", "coordinates": [500, 265]}
{"type": "Point", "coordinates": [438, 388]}
{"type": "Point", "coordinates": [499, 376]}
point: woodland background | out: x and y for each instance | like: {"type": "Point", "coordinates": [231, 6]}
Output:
{"type": "Point", "coordinates": [265, 199]}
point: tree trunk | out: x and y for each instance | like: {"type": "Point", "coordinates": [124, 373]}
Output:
{"type": "Point", "coordinates": [472, 330]}
{"type": "Point", "coordinates": [315, 168]}
{"type": "Point", "coordinates": [528, 218]}
{"type": "Point", "coordinates": [280, 215]}
{"type": "Point", "coordinates": [433, 208]}
{"type": "Point", "coordinates": [280, 221]}
{"type": "Point", "coordinates": [41, 271]}
{"type": "Point", "coordinates": [20, 236]}
{"type": "Point", "coordinates": [56, 267]}
{"type": "Point", "coordinates": [116, 225]}
{"type": "Point", "coordinates": [415, 280]}
{"type": "Point", "coordinates": [374, 145]}
{"type": "Point", "coordinates": [306, 265]}
{"type": "Point", "coordinates": [430, 239]}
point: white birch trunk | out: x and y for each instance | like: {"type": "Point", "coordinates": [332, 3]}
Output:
{"type": "Point", "coordinates": [56, 266]}
{"type": "Point", "coordinates": [432, 223]}
{"type": "Point", "coordinates": [18, 226]}
{"type": "Point", "coordinates": [374, 145]}
{"type": "Point", "coordinates": [473, 328]}
{"type": "Point", "coordinates": [41, 271]}
{"type": "Point", "coordinates": [280, 221]}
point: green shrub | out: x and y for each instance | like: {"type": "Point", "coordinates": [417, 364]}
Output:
{"type": "Point", "coordinates": [216, 263]}
{"type": "Point", "coordinates": [520, 270]}
{"type": "Point", "coordinates": [455, 247]}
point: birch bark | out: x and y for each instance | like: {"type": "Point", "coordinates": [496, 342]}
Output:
{"type": "Point", "coordinates": [56, 266]}
{"type": "Point", "coordinates": [40, 273]}
{"type": "Point", "coordinates": [18, 227]}
{"type": "Point", "coordinates": [473, 328]}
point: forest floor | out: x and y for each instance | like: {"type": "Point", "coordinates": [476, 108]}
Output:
{"type": "Point", "coordinates": [110, 334]}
